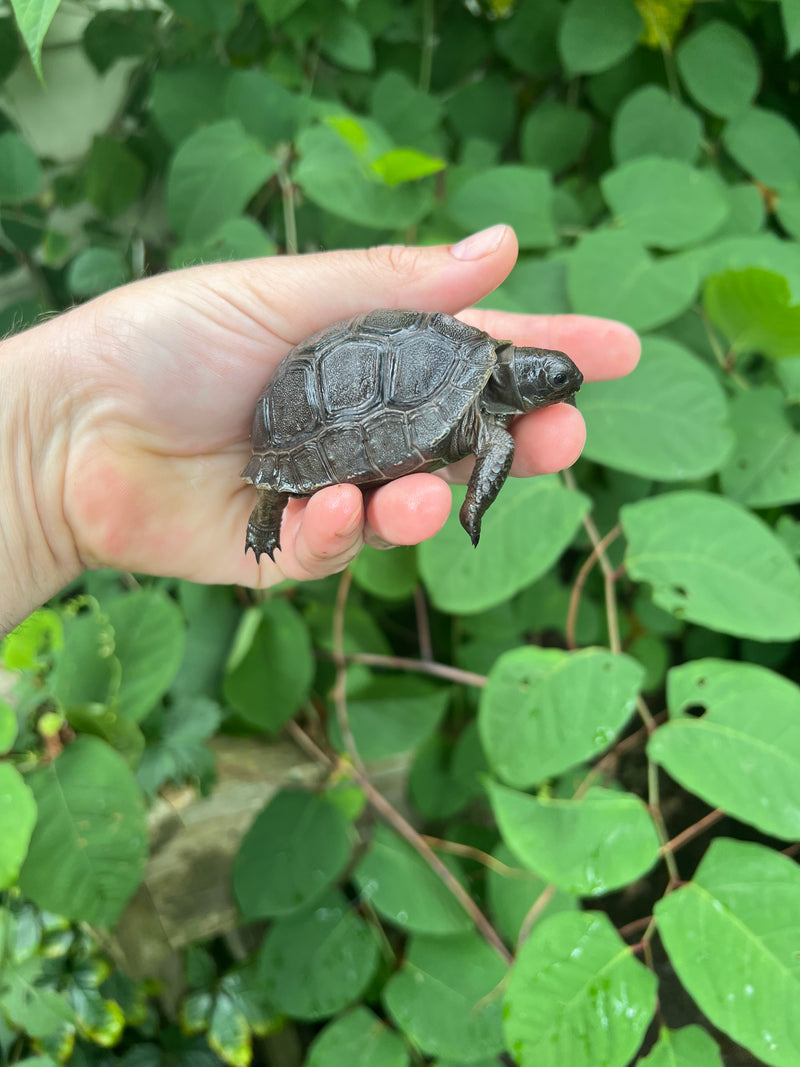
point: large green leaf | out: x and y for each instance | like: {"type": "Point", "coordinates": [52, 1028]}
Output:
{"type": "Point", "coordinates": [755, 311]}
{"type": "Point", "coordinates": [345, 42]}
{"type": "Point", "coordinates": [20, 173]}
{"type": "Point", "coordinates": [732, 935]}
{"type": "Point", "coordinates": [264, 107]}
{"type": "Point", "coordinates": [587, 846]}
{"type": "Point", "coordinates": [746, 763]}
{"type": "Point", "coordinates": [611, 273]}
{"type": "Point", "coordinates": [186, 99]}
{"type": "Point", "coordinates": [689, 1047]}
{"type": "Point", "coordinates": [392, 575]}
{"type": "Point", "coordinates": [178, 752]}
{"type": "Point", "coordinates": [544, 710]}
{"type": "Point", "coordinates": [766, 145]}
{"type": "Point", "coordinates": [406, 890]}
{"type": "Point", "coordinates": [149, 639]}
{"type": "Point", "coordinates": [667, 420]}
{"type": "Point", "coordinates": [36, 1010]}
{"type": "Point", "coordinates": [86, 671]}
{"type": "Point", "coordinates": [318, 961]}
{"type": "Point", "coordinates": [520, 196]}
{"type": "Point", "coordinates": [650, 122]}
{"type": "Point", "coordinates": [358, 1039]}
{"type": "Point", "coordinates": [665, 203]}
{"type": "Point", "coordinates": [295, 848]}
{"type": "Point", "coordinates": [764, 467]}
{"type": "Point", "coordinates": [87, 852]}
{"type": "Point", "coordinates": [528, 38]}
{"type": "Point", "coordinates": [554, 135]}
{"type": "Point", "coordinates": [114, 176]}
{"type": "Point", "coordinates": [393, 714]}
{"type": "Point", "coordinates": [593, 37]}
{"type": "Point", "coordinates": [524, 532]}
{"type": "Point", "coordinates": [96, 270]}
{"type": "Point", "coordinates": [710, 561]}
{"type": "Point", "coordinates": [790, 11]}
{"type": "Point", "coordinates": [18, 808]}
{"type": "Point", "coordinates": [201, 193]}
{"type": "Point", "coordinates": [445, 998]}
{"type": "Point", "coordinates": [34, 18]}
{"type": "Point", "coordinates": [271, 665]}
{"type": "Point", "coordinates": [719, 67]}
{"type": "Point", "coordinates": [577, 996]}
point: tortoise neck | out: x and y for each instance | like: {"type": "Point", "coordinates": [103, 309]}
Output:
{"type": "Point", "coordinates": [501, 396]}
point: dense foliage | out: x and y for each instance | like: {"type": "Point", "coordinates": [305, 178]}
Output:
{"type": "Point", "coordinates": [534, 803]}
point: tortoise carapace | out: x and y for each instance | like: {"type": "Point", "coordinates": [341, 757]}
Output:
{"type": "Point", "coordinates": [389, 393]}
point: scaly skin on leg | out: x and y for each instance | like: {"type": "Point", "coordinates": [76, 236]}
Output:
{"type": "Point", "coordinates": [492, 464]}
{"type": "Point", "coordinates": [264, 525]}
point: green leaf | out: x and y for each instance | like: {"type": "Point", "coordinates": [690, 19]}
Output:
{"type": "Point", "coordinates": [9, 727]}
{"type": "Point", "coordinates": [333, 176]}
{"type": "Point", "coordinates": [404, 889]}
{"type": "Point", "coordinates": [18, 809]}
{"type": "Point", "coordinates": [519, 196]}
{"type": "Point", "coordinates": [764, 468]}
{"type": "Point", "coordinates": [747, 764]}
{"type": "Point", "coordinates": [528, 38]}
{"type": "Point", "coordinates": [577, 996]}
{"type": "Point", "coordinates": [405, 165]}
{"type": "Point", "coordinates": [594, 37]}
{"type": "Point", "coordinates": [114, 176]}
{"type": "Point", "coordinates": [511, 896]}
{"type": "Point", "coordinates": [731, 935]}
{"type": "Point", "coordinates": [189, 98]}
{"type": "Point", "coordinates": [38, 1011]}
{"type": "Point", "coordinates": [611, 274]}
{"type": "Point", "coordinates": [276, 11]}
{"type": "Point", "coordinates": [713, 563]}
{"type": "Point", "coordinates": [149, 639]}
{"type": "Point", "coordinates": [534, 283]}
{"type": "Point", "coordinates": [296, 847]}
{"type": "Point", "coordinates": [754, 310]}
{"type": "Point", "coordinates": [229, 1034]}
{"type": "Point", "coordinates": [264, 107]}
{"type": "Point", "coordinates": [408, 115]}
{"type": "Point", "coordinates": [212, 617]}
{"type": "Point", "coordinates": [588, 846]}
{"type": "Point", "coordinates": [271, 665]}
{"type": "Point", "coordinates": [790, 12]}
{"type": "Point", "coordinates": [524, 533]}
{"type": "Point", "coordinates": [20, 173]}
{"type": "Point", "coordinates": [30, 645]}
{"type": "Point", "coordinates": [527, 732]}
{"type": "Point", "coordinates": [317, 962]}
{"type": "Point", "coordinates": [650, 122]}
{"type": "Point", "coordinates": [86, 670]}
{"type": "Point", "coordinates": [178, 753]}
{"type": "Point", "coordinates": [554, 136]}
{"type": "Point", "coordinates": [688, 1047]}
{"type": "Point", "coordinates": [34, 18]}
{"type": "Point", "coordinates": [115, 34]}
{"type": "Point", "coordinates": [359, 1039]}
{"type": "Point", "coordinates": [445, 997]}
{"type": "Point", "coordinates": [201, 195]}
{"type": "Point", "coordinates": [214, 16]}
{"type": "Point", "coordinates": [766, 145]}
{"type": "Point", "coordinates": [87, 852]}
{"type": "Point", "coordinates": [241, 238]}
{"type": "Point", "coordinates": [393, 714]}
{"type": "Point", "coordinates": [389, 575]}
{"type": "Point", "coordinates": [485, 109]}
{"type": "Point", "coordinates": [665, 203]}
{"type": "Point", "coordinates": [10, 50]}
{"type": "Point", "coordinates": [346, 43]}
{"type": "Point", "coordinates": [719, 67]}
{"type": "Point", "coordinates": [96, 270]}
{"type": "Point", "coordinates": [667, 420]}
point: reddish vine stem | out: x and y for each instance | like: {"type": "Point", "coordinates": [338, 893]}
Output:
{"type": "Point", "coordinates": [403, 663]}
{"type": "Point", "coordinates": [535, 912]}
{"type": "Point", "coordinates": [577, 588]}
{"type": "Point", "coordinates": [687, 835]}
{"type": "Point", "coordinates": [455, 848]}
{"type": "Point", "coordinates": [407, 831]}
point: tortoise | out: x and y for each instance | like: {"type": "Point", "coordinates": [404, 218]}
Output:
{"type": "Point", "coordinates": [389, 393]}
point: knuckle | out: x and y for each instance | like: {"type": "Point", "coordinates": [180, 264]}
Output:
{"type": "Point", "coordinates": [396, 259]}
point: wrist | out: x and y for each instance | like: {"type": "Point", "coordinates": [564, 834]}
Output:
{"type": "Point", "coordinates": [37, 551]}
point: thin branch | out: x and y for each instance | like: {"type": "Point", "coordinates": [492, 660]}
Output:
{"type": "Point", "coordinates": [580, 581]}
{"type": "Point", "coordinates": [423, 624]}
{"type": "Point", "coordinates": [339, 692]}
{"type": "Point", "coordinates": [403, 663]}
{"type": "Point", "coordinates": [455, 848]}
{"type": "Point", "coordinates": [687, 835]}
{"type": "Point", "coordinates": [535, 913]}
{"type": "Point", "coordinates": [654, 806]}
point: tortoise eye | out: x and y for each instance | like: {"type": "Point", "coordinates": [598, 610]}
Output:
{"type": "Point", "coordinates": [560, 378]}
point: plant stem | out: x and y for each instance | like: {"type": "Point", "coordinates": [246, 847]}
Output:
{"type": "Point", "coordinates": [404, 663]}
{"type": "Point", "coordinates": [427, 46]}
{"type": "Point", "coordinates": [577, 589]}
{"type": "Point", "coordinates": [339, 692]}
{"type": "Point", "coordinates": [687, 835]}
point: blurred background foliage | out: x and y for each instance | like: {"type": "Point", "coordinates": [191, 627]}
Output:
{"type": "Point", "coordinates": [579, 746]}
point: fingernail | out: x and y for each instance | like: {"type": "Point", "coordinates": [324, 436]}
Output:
{"type": "Point", "coordinates": [479, 244]}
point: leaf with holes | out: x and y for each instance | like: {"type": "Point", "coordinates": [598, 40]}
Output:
{"type": "Point", "coordinates": [764, 467]}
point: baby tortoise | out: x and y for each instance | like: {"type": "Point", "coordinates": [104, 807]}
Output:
{"type": "Point", "coordinates": [389, 393]}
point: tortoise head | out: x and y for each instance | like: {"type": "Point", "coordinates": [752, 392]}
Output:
{"type": "Point", "coordinates": [528, 378]}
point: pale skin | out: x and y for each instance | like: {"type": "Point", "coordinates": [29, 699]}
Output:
{"type": "Point", "coordinates": [124, 423]}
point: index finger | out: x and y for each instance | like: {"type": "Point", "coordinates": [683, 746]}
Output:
{"type": "Point", "coordinates": [602, 348]}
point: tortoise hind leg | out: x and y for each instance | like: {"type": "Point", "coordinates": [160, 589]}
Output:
{"type": "Point", "coordinates": [264, 525]}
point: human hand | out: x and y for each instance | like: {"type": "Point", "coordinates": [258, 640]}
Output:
{"type": "Point", "coordinates": [152, 389]}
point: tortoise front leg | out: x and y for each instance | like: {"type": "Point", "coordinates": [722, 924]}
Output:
{"type": "Point", "coordinates": [264, 525]}
{"type": "Point", "coordinates": [492, 464]}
